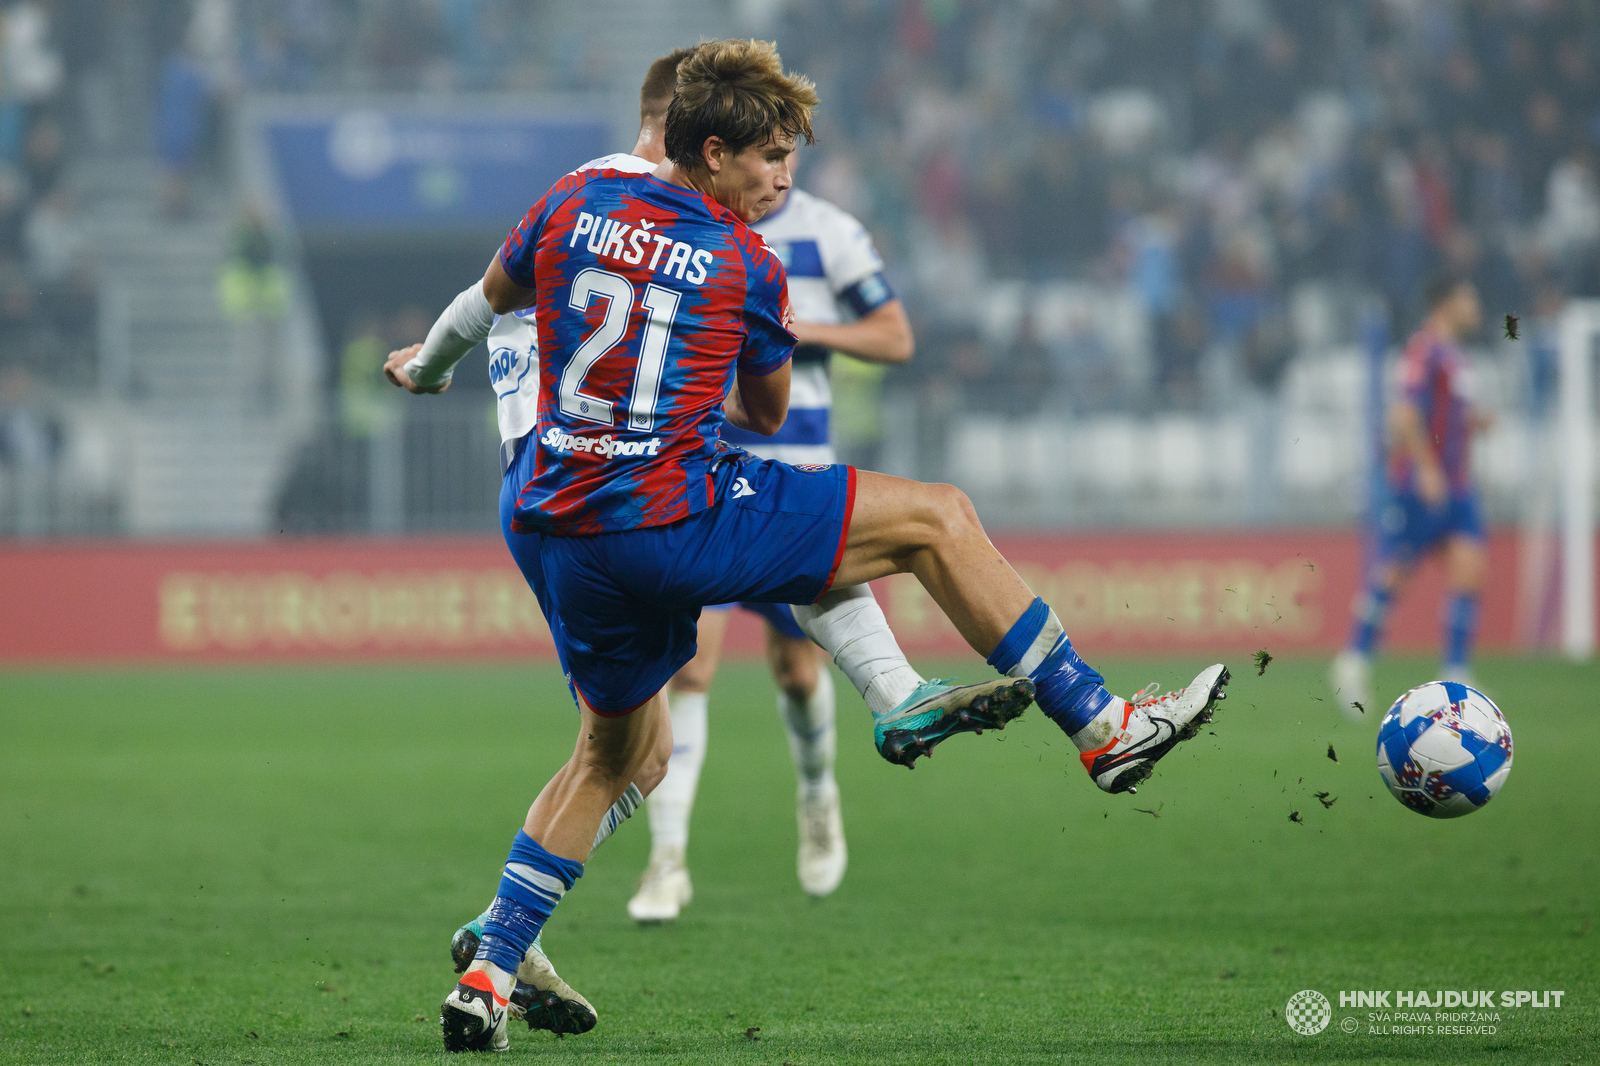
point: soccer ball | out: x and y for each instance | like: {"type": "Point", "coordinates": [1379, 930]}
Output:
{"type": "Point", "coordinates": [1444, 749]}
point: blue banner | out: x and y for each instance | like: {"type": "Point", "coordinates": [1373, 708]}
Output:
{"type": "Point", "coordinates": [398, 169]}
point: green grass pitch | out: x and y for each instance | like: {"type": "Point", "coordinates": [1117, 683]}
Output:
{"type": "Point", "coordinates": [265, 866]}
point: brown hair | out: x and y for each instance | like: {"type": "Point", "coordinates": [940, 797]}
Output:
{"type": "Point", "coordinates": [659, 82]}
{"type": "Point", "coordinates": [735, 90]}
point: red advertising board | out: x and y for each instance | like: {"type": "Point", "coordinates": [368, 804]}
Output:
{"type": "Point", "coordinates": [441, 598]}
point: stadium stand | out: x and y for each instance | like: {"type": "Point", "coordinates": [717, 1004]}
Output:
{"type": "Point", "coordinates": [1154, 222]}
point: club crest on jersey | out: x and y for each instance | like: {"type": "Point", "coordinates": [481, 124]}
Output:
{"type": "Point", "coordinates": [633, 244]}
{"type": "Point", "coordinates": [812, 468]}
{"type": "Point", "coordinates": [605, 446]}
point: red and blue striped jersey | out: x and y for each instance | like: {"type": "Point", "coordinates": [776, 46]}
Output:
{"type": "Point", "coordinates": [1437, 379]}
{"type": "Point", "coordinates": [649, 297]}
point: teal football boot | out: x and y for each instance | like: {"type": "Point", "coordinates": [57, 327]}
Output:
{"type": "Point", "coordinates": [937, 711]}
{"type": "Point", "coordinates": [464, 945]}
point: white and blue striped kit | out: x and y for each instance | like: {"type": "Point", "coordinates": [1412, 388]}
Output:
{"type": "Point", "coordinates": [835, 276]}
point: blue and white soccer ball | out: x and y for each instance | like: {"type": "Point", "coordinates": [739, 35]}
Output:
{"type": "Point", "coordinates": [1444, 749]}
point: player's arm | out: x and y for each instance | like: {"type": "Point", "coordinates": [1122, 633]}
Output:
{"type": "Point", "coordinates": [759, 399]}
{"type": "Point", "coordinates": [758, 402]}
{"type": "Point", "coordinates": [503, 294]}
{"type": "Point", "coordinates": [882, 335]}
{"type": "Point", "coordinates": [1411, 440]}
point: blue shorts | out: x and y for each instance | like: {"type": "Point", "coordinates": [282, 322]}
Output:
{"type": "Point", "coordinates": [1411, 528]}
{"type": "Point", "coordinates": [778, 615]}
{"type": "Point", "coordinates": [623, 607]}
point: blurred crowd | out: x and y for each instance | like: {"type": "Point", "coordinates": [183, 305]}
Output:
{"type": "Point", "coordinates": [1208, 156]}
{"type": "Point", "coordinates": [44, 282]}
{"type": "Point", "coordinates": [43, 278]}
{"type": "Point", "coordinates": [1213, 157]}
{"type": "Point", "coordinates": [1161, 192]}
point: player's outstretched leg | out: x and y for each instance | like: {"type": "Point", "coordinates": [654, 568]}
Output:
{"type": "Point", "coordinates": [545, 863]}
{"type": "Point", "coordinates": [932, 531]}
{"type": "Point", "coordinates": [1119, 740]}
{"type": "Point", "coordinates": [541, 998]}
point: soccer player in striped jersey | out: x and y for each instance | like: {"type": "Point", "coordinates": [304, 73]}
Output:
{"type": "Point", "coordinates": [1432, 502]}
{"type": "Point", "coordinates": [662, 317]}
{"type": "Point", "coordinates": [848, 285]}
{"type": "Point", "coordinates": [842, 302]}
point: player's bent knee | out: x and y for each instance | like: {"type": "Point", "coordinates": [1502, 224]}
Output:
{"type": "Point", "coordinates": [950, 513]}
{"type": "Point", "coordinates": [794, 665]}
{"type": "Point", "coordinates": [695, 676]}
{"type": "Point", "coordinates": [797, 680]}
{"type": "Point", "coordinates": [686, 680]}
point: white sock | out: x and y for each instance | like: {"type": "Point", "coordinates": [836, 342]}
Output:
{"type": "Point", "coordinates": [503, 982]}
{"type": "Point", "coordinates": [1102, 728]}
{"type": "Point", "coordinates": [673, 798]}
{"type": "Point", "coordinates": [812, 738]}
{"type": "Point", "coordinates": [849, 625]}
{"type": "Point", "coordinates": [1049, 636]}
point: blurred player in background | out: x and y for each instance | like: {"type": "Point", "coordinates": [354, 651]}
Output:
{"type": "Point", "coordinates": [842, 302]}
{"type": "Point", "coordinates": [1432, 502]}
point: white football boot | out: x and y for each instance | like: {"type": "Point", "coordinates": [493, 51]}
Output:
{"type": "Point", "coordinates": [1350, 674]}
{"type": "Point", "coordinates": [1120, 746]}
{"type": "Point", "coordinates": [545, 1001]}
{"type": "Point", "coordinates": [664, 888]}
{"type": "Point", "coordinates": [823, 855]}
{"type": "Point", "coordinates": [473, 1017]}
{"type": "Point", "coordinates": [541, 998]}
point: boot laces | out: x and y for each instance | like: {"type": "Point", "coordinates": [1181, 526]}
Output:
{"type": "Point", "coordinates": [1147, 699]}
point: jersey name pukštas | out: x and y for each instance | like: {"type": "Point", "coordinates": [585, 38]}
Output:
{"type": "Point", "coordinates": [514, 339]}
{"type": "Point", "coordinates": [649, 297]}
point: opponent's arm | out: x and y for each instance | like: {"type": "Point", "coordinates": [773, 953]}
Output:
{"type": "Point", "coordinates": [759, 402]}
{"type": "Point", "coordinates": [882, 335]}
{"type": "Point", "coordinates": [1411, 439]}
{"type": "Point", "coordinates": [427, 367]}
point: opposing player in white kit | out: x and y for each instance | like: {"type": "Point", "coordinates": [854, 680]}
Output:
{"type": "Point", "coordinates": [843, 303]}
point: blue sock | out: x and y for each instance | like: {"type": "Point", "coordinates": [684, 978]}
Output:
{"type": "Point", "coordinates": [1036, 647]}
{"type": "Point", "coordinates": [1460, 626]}
{"type": "Point", "coordinates": [533, 883]}
{"type": "Point", "coordinates": [1371, 611]}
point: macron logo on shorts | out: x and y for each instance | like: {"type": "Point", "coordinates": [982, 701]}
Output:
{"type": "Point", "coordinates": [741, 487]}
{"type": "Point", "coordinates": [604, 446]}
